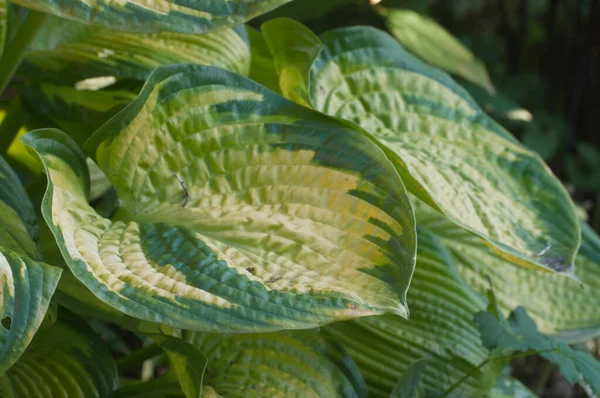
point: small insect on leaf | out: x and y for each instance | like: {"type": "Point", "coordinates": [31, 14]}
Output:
{"type": "Point", "coordinates": [186, 195]}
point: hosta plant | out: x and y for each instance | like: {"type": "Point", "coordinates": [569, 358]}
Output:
{"type": "Point", "coordinates": [270, 212]}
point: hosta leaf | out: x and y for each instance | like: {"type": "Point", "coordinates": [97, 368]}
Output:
{"type": "Point", "coordinates": [73, 295]}
{"type": "Point", "coordinates": [241, 211]}
{"type": "Point", "coordinates": [62, 361]}
{"type": "Point", "coordinates": [449, 153]}
{"type": "Point", "coordinates": [26, 285]}
{"type": "Point", "coordinates": [197, 16]}
{"type": "Point", "coordinates": [283, 364]}
{"type": "Point", "coordinates": [435, 45]}
{"type": "Point", "coordinates": [91, 52]}
{"type": "Point", "coordinates": [293, 53]}
{"type": "Point", "coordinates": [411, 385]}
{"type": "Point", "coordinates": [440, 328]}
{"type": "Point", "coordinates": [559, 305]}
{"type": "Point", "coordinates": [575, 366]}
{"type": "Point", "coordinates": [78, 112]}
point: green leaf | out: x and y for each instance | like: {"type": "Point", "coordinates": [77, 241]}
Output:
{"type": "Point", "coordinates": [62, 361]}
{"type": "Point", "coordinates": [26, 285]}
{"type": "Point", "coordinates": [411, 385]}
{"type": "Point", "coordinates": [241, 211]}
{"type": "Point", "coordinates": [292, 52]}
{"type": "Point", "coordinates": [78, 112]}
{"type": "Point", "coordinates": [498, 105]}
{"type": "Point", "coordinates": [80, 53]}
{"type": "Point", "coordinates": [560, 306]}
{"type": "Point", "coordinates": [441, 328]}
{"type": "Point", "coordinates": [448, 152]}
{"type": "Point", "coordinates": [495, 336]}
{"type": "Point", "coordinates": [188, 362]}
{"type": "Point", "coordinates": [435, 45]}
{"type": "Point", "coordinates": [575, 366]}
{"type": "Point", "coordinates": [198, 16]}
{"type": "Point", "coordinates": [262, 66]}
{"type": "Point", "coordinates": [298, 363]}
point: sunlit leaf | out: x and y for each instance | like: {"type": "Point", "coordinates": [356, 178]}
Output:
{"type": "Point", "coordinates": [197, 16]}
{"type": "Point", "coordinates": [283, 364]}
{"type": "Point", "coordinates": [241, 211]}
{"type": "Point", "coordinates": [62, 361]}
{"type": "Point", "coordinates": [449, 153]}
{"type": "Point", "coordinates": [26, 284]}
{"type": "Point", "coordinates": [293, 53]}
{"type": "Point", "coordinates": [440, 327]}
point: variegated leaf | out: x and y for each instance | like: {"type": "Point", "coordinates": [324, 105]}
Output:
{"type": "Point", "coordinates": [26, 284]}
{"type": "Point", "coordinates": [65, 360]}
{"type": "Point", "coordinates": [559, 305]}
{"type": "Point", "coordinates": [283, 364]}
{"type": "Point", "coordinates": [77, 112]}
{"type": "Point", "coordinates": [71, 53]}
{"type": "Point", "coordinates": [448, 151]}
{"type": "Point", "coordinates": [241, 211]}
{"type": "Point", "coordinates": [197, 16]}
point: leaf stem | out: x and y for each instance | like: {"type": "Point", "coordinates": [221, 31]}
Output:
{"type": "Point", "coordinates": [137, 357]}
{"type": "Point", "coordinates": [18, 46]}
{"type": "Point", "coordinates": [482, 364]}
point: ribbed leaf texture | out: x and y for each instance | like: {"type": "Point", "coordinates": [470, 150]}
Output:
{"type": "Point", "coordinates": [241, 211]}
{"type": "Point", "coordinates": [449, 153]}
{"type": "Point", "coordinates": [441, 329]}
{"type": "Point", "coordinates": [283, 364]}
{"type": "Point", "coordinates": [65, 360]}
{"type": "Point", "coordinates": [559, 305]}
